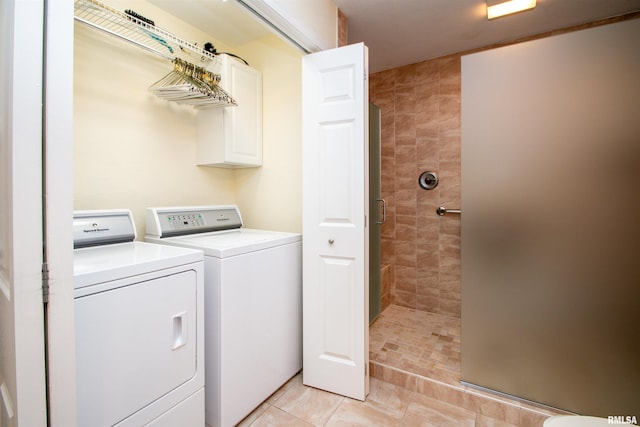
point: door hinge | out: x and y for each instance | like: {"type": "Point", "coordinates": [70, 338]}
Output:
{"type": "Point", "coordinates": [45, 283]}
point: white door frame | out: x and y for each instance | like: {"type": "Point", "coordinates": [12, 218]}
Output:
{"type": "Point", "coordinates": [58, 208]}
{"type": "Point", "coordinates": [28, 141]}
{"type": "Point", "coordinates": [22, 355]}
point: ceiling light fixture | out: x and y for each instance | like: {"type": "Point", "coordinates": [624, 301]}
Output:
{"type": "Point", "coordinates": [508, 7]}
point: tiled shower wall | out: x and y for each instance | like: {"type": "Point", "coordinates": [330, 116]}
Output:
{"type": "Point", "coordinates": [420, 107]}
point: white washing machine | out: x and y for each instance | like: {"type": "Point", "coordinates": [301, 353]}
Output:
{"type": "Point", "coordinates": [253, 304]}
{"type": "Point", "coordinates": [139, 326]}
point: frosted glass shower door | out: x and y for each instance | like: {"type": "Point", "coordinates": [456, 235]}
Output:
{"type": "Point", "coordinates": [376, 212]}
{"type": "Point", "coordinates": [551, 220]}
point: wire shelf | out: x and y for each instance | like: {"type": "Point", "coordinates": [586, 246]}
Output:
{"type": "Point", "coordinates": [136, 30]}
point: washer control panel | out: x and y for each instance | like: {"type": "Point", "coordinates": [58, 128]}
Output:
{"type": "Point", "coordinates": [167, 222]}
{"type": "Point", "coordinates": [180, 221]}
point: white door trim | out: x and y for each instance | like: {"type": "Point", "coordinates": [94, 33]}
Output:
{"type": "Point", "coordinates": [22, 362]}
{"type": "Point", "coordinates": [58, 211]}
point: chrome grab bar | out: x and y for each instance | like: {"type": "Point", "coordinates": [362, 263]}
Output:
{"type": "Point", "coordinates": [443, 211]}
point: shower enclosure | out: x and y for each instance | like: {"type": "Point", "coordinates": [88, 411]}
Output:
{"type": "Point", "coordinates": [551, 220]}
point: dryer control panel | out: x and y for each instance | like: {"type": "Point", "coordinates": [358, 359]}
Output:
{"type": "Point", "coordinates": [169, 222]}
{"type": "Point", "coordinates": [102, 227]}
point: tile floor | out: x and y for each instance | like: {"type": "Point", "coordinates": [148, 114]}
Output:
{"type": "Point", "coordinates": [415, 381]}
{"type": "Point", "coordinates": [387, 405]}
{"type": "Point", "coordinates": [416, 341]}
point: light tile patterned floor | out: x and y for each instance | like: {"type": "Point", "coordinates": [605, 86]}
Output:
{"type": "Point", "coordinates": [407, 341]}
{"type": "Point", "coordinates": [387, 405]}
{"type": "Point", "coordinates": [416, 341]}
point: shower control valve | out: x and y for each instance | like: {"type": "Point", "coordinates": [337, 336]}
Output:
{"type": "Point", "coordinates": [428, 180]}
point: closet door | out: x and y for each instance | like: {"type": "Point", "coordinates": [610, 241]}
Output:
{"type": "Point", "coordinates": [25, 221]}
{"type": "Point", "coordinates": [22, 364]}
{"type": "Point", "coordinates": [335, 224]}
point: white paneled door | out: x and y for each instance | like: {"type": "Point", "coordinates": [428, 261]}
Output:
{"type": "Point", "coordinates": [335, 221]}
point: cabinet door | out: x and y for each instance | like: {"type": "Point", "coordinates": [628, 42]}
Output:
{"type": "Point", "coordinates": [232, 136]}
{"type": "Point", "coordinates": [243, 124]}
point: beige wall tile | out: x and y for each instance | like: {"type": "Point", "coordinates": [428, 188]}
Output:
{"type": "Point", "coordinates": [428, 224]}
{"type": "Point", "coordinates": [406, 257]}
{"type": "Point", "coordinates": [428, 303]}
{"type": "Point", "coordinates": [393, 376]}
{"type": "Point", "coordinates": [440, 391]}
{"type": "Point", "coordinates": [420, 106]}
{"type": "Point", "coordinates": [405, 279]}
{"type": "Point", "coordinates": [382, 80]}
{"type": "Point", "coordinates": [343, 38]}
{"type": "Point", "coordinates": [405, 100]}
{"type": "Point", "coordinates": [406, 299]}
{"type": "Point", "coordinates": [406, 205]}
{"type": "Point", "coordinates": [406, 75]}
{"type": "Point", "coordinates": [499, 409]}
{"type": "Point", "coordinates": [406, 226]}
{"type": "Point", "coordinates": [427, 71]}
{"type": "Point", "coordinates": [405, 124]}
{"type": "Point", "coordinates": [484, 421]}
{"type": "Point", "coordinates": [428, 256]}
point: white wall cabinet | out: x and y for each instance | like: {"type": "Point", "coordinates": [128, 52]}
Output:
{"type": "Point", "coordinates": [231, 137]}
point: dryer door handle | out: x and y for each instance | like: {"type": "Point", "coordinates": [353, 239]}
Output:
{"type": "Point", "coordinates": [180, 331]}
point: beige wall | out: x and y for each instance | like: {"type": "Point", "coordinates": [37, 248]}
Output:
{"type": "Point", "coordinates": [270, 197]}
{"type": "Point", "coordinates": [133, 150]}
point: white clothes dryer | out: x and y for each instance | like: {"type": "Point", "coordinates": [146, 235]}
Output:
{"type": "Point", "coordinates": [139, 326]}
{"type": "Point", "coordinates": [253, 304]}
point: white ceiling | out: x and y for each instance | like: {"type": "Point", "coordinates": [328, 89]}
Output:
{"type": "Point", "coordinates": [400, 32]}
